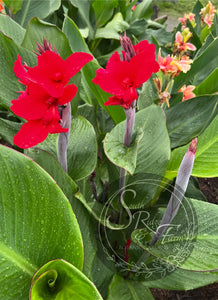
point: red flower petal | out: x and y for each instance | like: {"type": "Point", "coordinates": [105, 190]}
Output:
{"type": "Point", "coordinates": [69, 93]}
{"type": "Point", "coordinates": [122, 78]}
{"type": "Point", "coordinates": [53, 73]}
{"type": "Point", "coordinates": [20, 71]}
{"type": "Point", "coordinates": [33, 103]}
{"type": "Point", "coordinates": [75, 62]}
{"type": "Point", "coordinates": [49, 73]}
{"type": "Point", "coordinates": [30, 134]}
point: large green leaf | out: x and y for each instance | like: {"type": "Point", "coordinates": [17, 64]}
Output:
{"type": "Point", "coordinates": [206, 157]}
{"type": "Point", "coordinates": [37, 224]}
{"type": "Point", "coordinates": [103, 11]}
{"type": "Point", "coordinates": [40, 9]}
{"type": "Point", "coordinates": [9, 83]}
{"type": "Point", "coordinates": [121, 289]}
{"type": "Point", "coordinates": [84, 12]}
{"type": "Point", "coordinates": [113, 29]}
{"type": "Point", "coordinates": [148, 94]}
{"type": "Point", "coordinates": [183, 280]}
{"type": "Point", "coordinates": [59, 280]}
{"type": "Point", "coordinates": [12, 29]}
{"type": "Point", "coordinates": [94, 258]}
{"type": "Point", "coordinates": [77, 43]}
{"type": "Point", "coordinates": [205, 243]}
{"type": "Point", "coordinates": [209, 85]}
{"type": "Point", "coordinates": [202, 66]}
{"type": "Point", "coordinates": [142, 10]}
{"type": "Point", "coordinates": [82, 149]}
{"type": "Point", "coordinates": [153, 149]}
{"type": "Point", "coordinates": [37, 30]}
{"type": "Point", "coordinates": [188, 119]}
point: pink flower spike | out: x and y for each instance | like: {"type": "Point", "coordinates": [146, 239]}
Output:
{"type": "Point", "coordinates": [178, 193]}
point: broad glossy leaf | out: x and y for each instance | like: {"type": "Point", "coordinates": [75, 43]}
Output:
{"type": "Point", "coordinates": [40, 9]}
{"type": "Point", "coordinates": [94, 258]}
{"type": "Point", "coordinates": [206, 158]}
{"type": "Point", "coordinates": [38, 29]}
{"type": "Point", "coordinates": [82, 149]}
{"type": "Point", "coordinates": [67, 281]}
{"type": "Point", "coordinates": [201, 67]}
{"type": "Point", "coordinates": [148, 94]}
{"type": "Point", "coordinates": [84, 12]}
{"type": "Point", "coordinates": [37, 224]}
{"type": "Point", "coordinates": [118, 153]}
{"type": "Point", "coordinates": [77, 43]}
{"type": "Point", "coordinates": [9, 82]}
{"type": "Point", "coordinates": [123, 289]}
{"type": "Point", "coordinates": [103, 10]}
{"type": "Point", "coordinates": [142, 10]}
{"type": "Point", "coordinates": [209, 85]}
{"type": "Point", "coordinates": [205, 244]}
{"type": "Point", "coordinates": [12, 29]}
{"type": "Point", "coordinates": [153, 149]}
{"type": "Point", "coordinates": [188, 119]}
{"type": "Point", "coordinates": [113, 29]}
{"type": "Point", "coordinates": [183, 280]}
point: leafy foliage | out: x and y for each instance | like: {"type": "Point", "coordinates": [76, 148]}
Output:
{"type": "Point", "coordinates": [74, 236]}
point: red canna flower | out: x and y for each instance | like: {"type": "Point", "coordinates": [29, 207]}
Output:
{"type": "Point", "coordinates": [52, 72]}
{"type": "Point", "coordinates": [46, 91]}
{"type": "Point", "coordinates": [36, 97]}
{"type": "Point", "coordinates": [122, 77]}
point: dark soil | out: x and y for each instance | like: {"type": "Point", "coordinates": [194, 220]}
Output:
{"type": "Point", "coordinates": [209, 187]}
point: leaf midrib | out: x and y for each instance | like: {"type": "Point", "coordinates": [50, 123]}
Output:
{"type": "Point", "coordinates": [17, 259]}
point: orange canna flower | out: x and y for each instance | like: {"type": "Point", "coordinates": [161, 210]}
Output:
{"type": "Point", "coordinates": [173, 65]}
{"type": "Point", "coordinates": [190, 17]}
{"type": "Point", "coordinates": [1, 6]}
{"type": "Point", "coordinates": [187, 92]}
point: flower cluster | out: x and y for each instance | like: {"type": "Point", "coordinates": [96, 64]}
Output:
{"type": "Point", "coordinates": [190, 17]}
{"type": "Point", "coordinates": [121, 78]}
{"type": "Point", "coordinates": [47, 89]}
{"type": "Point", "coordinates": [172, 65]}
{"type": "Point", "coordinates": [207, 14]}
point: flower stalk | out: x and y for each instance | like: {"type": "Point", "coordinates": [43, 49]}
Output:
{"type": "Point", "coordinates": [130, 121]}
{"type": "Point", "coordinates": [63, 139]}
{"type": "Point", "coordinates": [180, 187]}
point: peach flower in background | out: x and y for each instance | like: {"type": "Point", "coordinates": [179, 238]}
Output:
{"type": "Point", "coordinates": [187, 92]}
